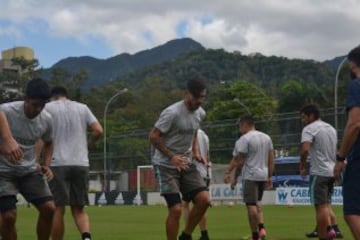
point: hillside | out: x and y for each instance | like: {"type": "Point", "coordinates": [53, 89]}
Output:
{"type": "Point", "coordinates": [103, 71]}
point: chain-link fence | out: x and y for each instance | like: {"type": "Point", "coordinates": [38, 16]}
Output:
{"type": "Point", "coordinates": [127, 150]}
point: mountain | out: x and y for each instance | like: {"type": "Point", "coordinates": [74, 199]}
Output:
{"type": "Point", "coordinates": [102, 71]}
{"type": "Point", "coordinates": [335, 62]}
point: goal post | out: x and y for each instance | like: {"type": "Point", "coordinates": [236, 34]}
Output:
{"type": "Point", "coordinates": [137, 199]}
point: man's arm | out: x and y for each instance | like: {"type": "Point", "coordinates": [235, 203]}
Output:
{"type": "Point", "coordinates": [156, 139]}
{"type": "Point", "coordinates": [304, 153]}
{"type": "Point", "coordinates": [9, 147]}
{"type": "Point", "coordinates": [271, 166]}
{"type": "Point", "coordinates": [96, 133]}
{"type": "Point", "coordinates": [48, 148]}
{"type": "Point", "coordinates": [351, 131]}
{"type": "Point", "coordinates": [235, 163]}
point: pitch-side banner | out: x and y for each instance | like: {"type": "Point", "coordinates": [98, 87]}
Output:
{"type": "Point", "coordinates": [301, 196]}
{"type": "Point", "coordinates": [224, 192]}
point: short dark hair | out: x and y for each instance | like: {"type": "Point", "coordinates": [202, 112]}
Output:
{"type": "Point", "coordinates": [354, 56]}
{"type": "Point", "coordinates": [311, 109]}
{"type": "Point", "coordinates": [38, 88]}
{"type": "Point", "coordinates": [59, 91]}
{"type": "Point", "coordinates": [248, 119]}
{"type": "Point", "coordinates": [196, 85]}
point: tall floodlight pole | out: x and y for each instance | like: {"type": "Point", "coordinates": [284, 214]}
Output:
{"type": "Point", "coordinates": [336, 92]}
{"type": "Point", "coordinates": [242, 104]}
{"type": "Point", "coordinates": [105, 112]}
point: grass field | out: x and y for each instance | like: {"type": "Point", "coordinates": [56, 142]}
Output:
{"type": "Point", "coordinates": [147, 222]}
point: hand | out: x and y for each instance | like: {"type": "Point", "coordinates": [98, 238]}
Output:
{"type": "Point", "coordinates": [339, 167]}
{"type": "Point", "coordinates": [227, 178]}
{"type": "Point", "coordinates": [233, 184]}
{"type": "Point", "coordinates": [12, 151]}
{"type": "Point", "coordinates": [46, 171]}
{"type": "Point", "coordinates": [180, 162]}
{"type": "Point", "coordinates": [303, 172]}
{"type": "Point", "coordinates": [269, 183]}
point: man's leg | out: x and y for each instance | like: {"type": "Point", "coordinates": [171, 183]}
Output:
{"type": "Point", "coordinates": [82, 221]}
{"type": "Point", "coordinates": [253, 217]}
{"type": "Point", "coordinates": [44, 224]}
{"type": "Point", "coordinates": [322, 219]}
{"type": "Point", "coordinates": [353, 222]}
{"type": "Point", "coordinates": [186, 210]}
{"type": "Point", "coordinates": [173, 221]}
{"type": "Point", "coordinates": [201, 203]}
{"type": "Point", "coordinates": [8, 230]}
{"type": "Point", "coordinates": [58, 227]}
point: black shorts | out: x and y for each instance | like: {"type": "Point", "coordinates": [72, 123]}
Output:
{"type": "Point", "coordinates": [351, 190]}
{"type": "Point", "coordinates": [321, 189]}
{"type": "Point", "coordinates": [70, 185]}
{"type": "Point", "coordinates": [187, 182]}
{"type": "Point", "coordinates": [32, 185]}
{"type": "Point", "coordinates": [253, 191]}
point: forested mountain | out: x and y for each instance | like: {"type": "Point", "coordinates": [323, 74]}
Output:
{"type": "Point", "coordinates": [102, 71]}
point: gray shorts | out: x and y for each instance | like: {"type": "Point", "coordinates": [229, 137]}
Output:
{"type": "Point", "coordinates": [253, 191]}
{"type": "Point", "coordinates": [172, 181]}
{"type": "Point", "coordinates": [32, 185]}
{"type": "Point", "coordinates": [70, 185]}
{"type": "Point", "coordinates": [321, 189]}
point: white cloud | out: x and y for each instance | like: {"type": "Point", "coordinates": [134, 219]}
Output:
{"type": "Point", "coordinates": [304, 29]}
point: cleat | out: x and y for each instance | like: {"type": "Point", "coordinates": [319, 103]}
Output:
{"type": "Point", "coordinates": [339, 235]}
{"type": "Point", "coordinates": [313, 234]}
{"type": "Point", "coordinates": [262, 234]}
{"type": "Point", "coordinates": [331, 234]}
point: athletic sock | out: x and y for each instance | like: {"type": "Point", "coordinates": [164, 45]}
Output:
{"type": "Point", "coordinates": [261, 226]}
{"type": "Point", "coordinates": [86, 236]}
{"type": "Point", "coordinates": [336, 228]}
{"type": "Point", "coordinates": [185, 236]}
{"type": "Point", "coordinates": [204, 233]}
{"type": "Point", "coordinates": [255, 235]}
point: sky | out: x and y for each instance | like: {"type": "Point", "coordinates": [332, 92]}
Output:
{"type": "Point", "coordinates": [56, 29]}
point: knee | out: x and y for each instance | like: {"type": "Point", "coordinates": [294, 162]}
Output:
{"type": "Point", "coordinates": [47, 210]}
{"type": "Point", "coordinates": [202, 200]}
{"type": "Point", "coordinates": [175, 211]}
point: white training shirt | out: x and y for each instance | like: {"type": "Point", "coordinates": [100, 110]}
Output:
{"type": "Point", "coordinates": [256, 146]}
{"type": "Point", "coordinates": [323, 139]}
{"type": "Point", "coordinates": [71, 120]}
{"type": "Point", "coordinates": [204, 148]}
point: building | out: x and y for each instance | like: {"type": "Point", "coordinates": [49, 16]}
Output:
{"type": "Point", "coordinates": [8, 55]}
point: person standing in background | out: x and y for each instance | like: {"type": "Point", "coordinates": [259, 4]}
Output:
{"type": "Point", "coordinates": [204, 169]}
{"type": "Point", "coordinates": [70, 161]}
{"type": "Point", "coordinates": [319, 140]}
{"type": "Point", "coordinates": [253, 156]}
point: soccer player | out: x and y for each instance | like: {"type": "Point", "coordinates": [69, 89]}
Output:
{"type": "Point", "coordinates": [172, 137]}
{"type": "Point", "coordinates": [319, 139]}
{"type": "Point", "coordinates": [205, 172]}
{"type": "Point", "coordinates": [28, 123]}
{"type": "Point", "coordinates": [254, 155]}
{"type": "Point", "coordinates": [70, 162]}
{"type": "Point", "coordinates": [350, 148]}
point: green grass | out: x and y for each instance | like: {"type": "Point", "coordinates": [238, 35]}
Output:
{"type": "Point", "coordinates": [147, 222]}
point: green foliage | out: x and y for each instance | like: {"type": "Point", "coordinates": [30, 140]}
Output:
{"type": "Point", "coordinates": [240, 98]}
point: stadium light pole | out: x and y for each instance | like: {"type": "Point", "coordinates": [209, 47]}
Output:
{"type": "Point", "coordinates": [106, 182]}
{"type": "Point", "coordinates": [336, 92]}
{"type": "Point", "coordinates": [242, 104]}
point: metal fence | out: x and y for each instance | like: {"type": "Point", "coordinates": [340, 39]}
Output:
{"type": "Point", "coordinates": [127, 150]}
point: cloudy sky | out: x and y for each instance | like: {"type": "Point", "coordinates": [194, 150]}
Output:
{"type": "Point", "coordinates": [55, 29]}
